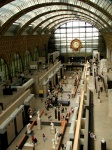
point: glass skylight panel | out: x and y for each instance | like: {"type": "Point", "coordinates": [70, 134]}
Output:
{"type": "Point", "coordinates": [31, 15]}
{"type": "Point", "coordinates": [102, 16]}
{"type": "Point", "coordinates": [105, 18]}
{"type": "Point", "coordinates": [102, 4]}
{"type": "Point", "coordinates": [56, 22]}
{"type": "Point", "coordinates": [110, 9]}
{"type": "Point", "coordinates": [79, 3]}
{"type": "Point", "coordinates": [107, 4]}
{"type": "Point", "coordinates": [15, 6]}
{"type": "Point", "coordinates": [93, 1]}
{"type": "Point", "coordinates": [50, 21]}
{"type": "Point", "coordinates": [82, 4]}
{"type": "Point", "coordinates": [39, 20]}
{"type": "Point", "coordinates": [71, 1]}
{"type": "Point", "coordinates": [110, 22]}
{"type": "Point", "coordinates": [93, 9]}
{"type": "Point", "coordinates": [99, 2]}
{"type": "Point", "coordinates": [95, 30]}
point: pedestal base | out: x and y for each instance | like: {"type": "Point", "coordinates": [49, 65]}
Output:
{"type": "Point", "coordinates": [99, 100]}
{"type": "Point", "coordinates": [39, 126]}
{"type": "Point", "coordinates": [52, 130]}
{"type": "Point", "coordinates": [103, 145]}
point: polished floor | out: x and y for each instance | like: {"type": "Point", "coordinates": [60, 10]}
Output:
{"type": "Point", "coordinates": [102, 122]}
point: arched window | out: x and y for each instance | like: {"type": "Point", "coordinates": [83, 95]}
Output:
{"type": "Point", "coordinates": [16, 65]}
{"type": "Point", "coordinates": [27, 59]}
{"type": "Point", "coordinates": [89, 36]}
{"type": "Point", "coordinates": [36, 54]}
{"type": "Point", "coordinates": [3, 70]}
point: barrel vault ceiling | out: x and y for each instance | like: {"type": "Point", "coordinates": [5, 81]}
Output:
{"type": "Point", "coordinates": [31, 17]}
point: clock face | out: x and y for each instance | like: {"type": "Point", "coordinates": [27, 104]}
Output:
{"type": "Point", "coordinates": [76, 44]}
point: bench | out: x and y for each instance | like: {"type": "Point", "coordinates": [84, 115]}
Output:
{"type": "Point", "coordinates": [63, 124]}
{"type": "Point", "coordinates": [25, 137]}
{"type": "Point", "coordinates": [22, 141]}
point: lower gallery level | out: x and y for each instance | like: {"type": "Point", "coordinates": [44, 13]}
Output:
{"type": "Point", "coordinates": [87, 112]}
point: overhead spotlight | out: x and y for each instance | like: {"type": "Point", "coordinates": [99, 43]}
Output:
{"type": "Point", "coordinates": [30, 116]}
{"type": "Point", "coordinates": [30, 113]}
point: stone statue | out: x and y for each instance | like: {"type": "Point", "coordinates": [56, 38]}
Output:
{"type": "Point", "coordinates": [57, 133]}
{"type": "Point", "coordinates": [28, 128]}
{"type": "Point", "coordinates": [52, 125]}
{"type": "Point", "coordinates": [56, 138]}
{"type": "Point", "coordinates": [53, 143]}
{"type": "Point", "coordinates": [103, 140]}
{"type": "Point", "coordinates": [38, 113]}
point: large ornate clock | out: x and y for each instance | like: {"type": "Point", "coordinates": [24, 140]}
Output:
{"type": "Point", "coordinates": [75, 45]}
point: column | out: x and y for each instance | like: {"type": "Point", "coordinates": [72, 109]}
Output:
{"type": "Point", "coordinates": [45, 90]}
{"type": "Point", "coordinates": [39, 126]}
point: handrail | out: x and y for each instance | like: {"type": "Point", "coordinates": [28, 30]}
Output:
{"type": "Point", "coordinates": [63, 124]}
{"type": "Point", "coordinates": [75, 147]}
{"type": "Point", "coordinates": [77, 133]}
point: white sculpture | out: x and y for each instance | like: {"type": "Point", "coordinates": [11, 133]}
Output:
{"type": "Point", "coordinates": [28, 128]}
{"type": "Point", "coordinates": [53, 143]}
{"type": "Point", "coordinates": [57, 133]}
{"type": "Point", "coordinates": [103, 140]}
{"type": "Point", "coordinates": [38, 113]}
{"type": "Point", "coordinates": [52, 125]}
{"type": "Point", "coordinates": [39, 121]}
{"type": "Point", "coordinates": [56, 138]}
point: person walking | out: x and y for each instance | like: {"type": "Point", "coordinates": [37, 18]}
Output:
{"type": "Point", "coordinates": [44, 138]}
{"type": "Point", "coordinates": [34, 140]}
{"type": "Point", "coordinates": [92, 135]}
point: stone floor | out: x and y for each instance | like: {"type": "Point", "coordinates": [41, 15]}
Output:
{"type": "Point", "coordinates": [102, 123]}
{"type": "Point", "coordinates": [46, 128]}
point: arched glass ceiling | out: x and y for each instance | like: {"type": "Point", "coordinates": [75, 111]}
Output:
{"type": "Point", "coordinates": [70, 20]}
{"type": "Point", "coordinates": [25, 18]}
{"type": "Point", "coordinates": [51, 21]}
{"type": "Point", "coordinates": [50, 14]}
{"type": "Point", "coordinates": [105, 4]}
{"type": "Point", "coordinates": [9, 10]}
{"type": "Point", "coordinates": [51, 26]}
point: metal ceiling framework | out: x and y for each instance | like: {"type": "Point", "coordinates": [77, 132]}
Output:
{"type": "Point", "coordinates": [55, 22]}
{"type": "Point", "coordinates": [45, 12]}
{"type": "Point", "coordinates": [47, 16]}
{"type": "Point", "coordinates": [53, 26]}
{"type": "Point", "coordinates": [76, 16]}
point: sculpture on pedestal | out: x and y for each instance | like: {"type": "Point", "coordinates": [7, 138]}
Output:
{"type": "Point", "coordinates": [53, 143]}
{"type": "Point", "coordinates": [56, 135]}
{"type": "Point", "coordinates": [28, 128]}
{"type": "Point", "coordinates": [38, 121]}
{"type": "Point", "coordinates": [52, 125]}
{"type": "Point", "coordinates": [38, 113]}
